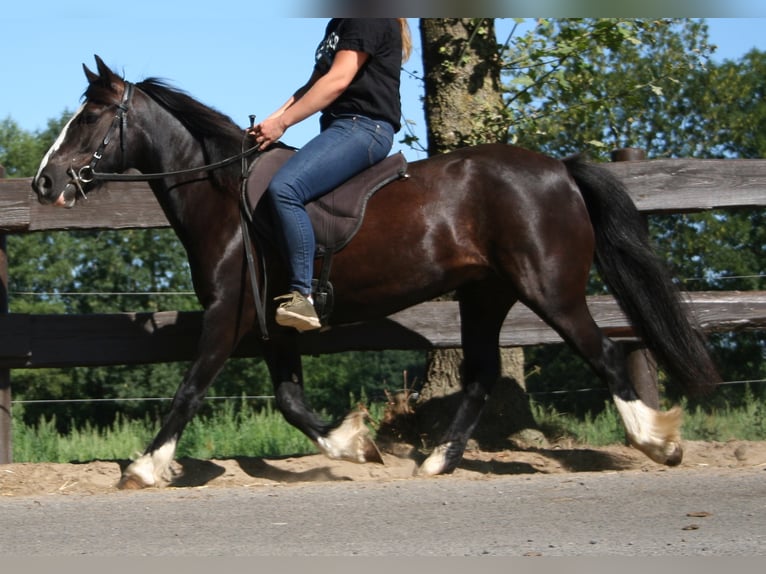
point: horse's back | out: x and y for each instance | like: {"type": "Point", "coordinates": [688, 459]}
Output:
{"type": "Point", "coordinates": [497, 179]}
{"type": "Point", "coordinates": [461, 217]}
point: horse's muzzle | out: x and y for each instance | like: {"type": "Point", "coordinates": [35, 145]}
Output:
{"type": "Point", "coordinates": [43, 188]}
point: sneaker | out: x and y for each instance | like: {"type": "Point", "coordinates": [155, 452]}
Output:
{"type": "Point", "coordinates": [298, 312]}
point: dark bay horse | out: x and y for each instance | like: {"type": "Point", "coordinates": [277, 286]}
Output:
{"type": "Point", "coordinates": [496, 224]}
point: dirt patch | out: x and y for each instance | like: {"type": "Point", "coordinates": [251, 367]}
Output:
{"type": "Point", "coordinates": [36, 479]}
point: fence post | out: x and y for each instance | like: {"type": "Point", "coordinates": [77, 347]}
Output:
{"type": "Point", "coordinates": [6, 451]}
{"type": "Point", "coordinates": [642, 369]}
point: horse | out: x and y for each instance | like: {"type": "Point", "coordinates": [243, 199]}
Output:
{"type": "Point", "coordinates": [494, 224]}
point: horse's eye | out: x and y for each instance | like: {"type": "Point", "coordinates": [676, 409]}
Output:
{"type": "Point", "coordinates": [89, 118]}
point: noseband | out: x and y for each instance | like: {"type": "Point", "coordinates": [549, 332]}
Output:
{"type": "Point", "coordinates": [87, 173]}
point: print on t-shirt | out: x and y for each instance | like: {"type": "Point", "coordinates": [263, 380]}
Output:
{"type": "Point", "coordinates": [325, 53]}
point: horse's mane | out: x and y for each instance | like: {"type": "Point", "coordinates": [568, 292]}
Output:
{"type": "Point", "coordinates": [204, 123]}
{"type": "Point", "coordinates": [218, 135]}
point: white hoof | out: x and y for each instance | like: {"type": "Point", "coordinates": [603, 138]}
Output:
{"type": "Point", "coordinates": [657, 434]}
{"type": "Point", "coordinates": [350, 441]}
{"type": "Point", "coordinates": [151, 469]}
{"type": "Point", "coordinates": [436, 463]}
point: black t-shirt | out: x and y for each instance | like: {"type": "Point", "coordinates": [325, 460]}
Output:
{"type": "Point", "coordinates": [374, 92]}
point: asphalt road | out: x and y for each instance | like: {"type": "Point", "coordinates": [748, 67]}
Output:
{"type": "Point", "coordinates": [705, 512]}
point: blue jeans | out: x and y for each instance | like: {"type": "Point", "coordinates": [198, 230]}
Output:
{"type": "Point", "coordinates": [346, 146]}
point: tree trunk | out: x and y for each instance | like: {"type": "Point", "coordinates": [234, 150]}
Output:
{"type": "Point", "coordinates": [463, 98]}
{"type": "Point", "coordinates": [464, 106]}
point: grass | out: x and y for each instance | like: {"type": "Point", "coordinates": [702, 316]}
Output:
{"type": "Point", "coordinates": [241, 430]}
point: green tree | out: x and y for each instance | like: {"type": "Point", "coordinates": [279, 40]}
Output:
{"type": "Point", "coordinates": [648, 84]}
{"type": "Point", "coordinates": [584, 84]}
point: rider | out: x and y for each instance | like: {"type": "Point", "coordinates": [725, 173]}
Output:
{"type": "Point", "coordinates": [355, 84]}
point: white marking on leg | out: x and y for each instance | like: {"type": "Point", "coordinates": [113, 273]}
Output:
{"type": "Point", "coordinates": [153, 469]}
{"type": "Point", "coordinates": [58, 143]}
{"type": "Point", "coordinates": [436, 461]}
{"type": "Point", "coordinates": [350, 440]}
{"type": "Point", "coordinates": [657, 434]}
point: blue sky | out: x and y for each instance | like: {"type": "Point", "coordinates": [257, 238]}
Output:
{"type": "Point", "coordinates": [242, 59]}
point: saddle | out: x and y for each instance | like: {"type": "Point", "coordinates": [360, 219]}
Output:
{"type": "Point", "coordinates": [336, 216]}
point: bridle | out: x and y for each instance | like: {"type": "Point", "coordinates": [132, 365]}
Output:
{"type": "Point", "coordinates": [87, 174]}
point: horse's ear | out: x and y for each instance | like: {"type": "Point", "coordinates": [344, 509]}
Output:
{"type": "Point", "coordinates": [103, 69]}
{"type": "Point", "coordinates": [90, 75]}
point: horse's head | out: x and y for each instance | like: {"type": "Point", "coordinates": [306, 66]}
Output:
{"type": "Point", "coordinates": [95, 135]}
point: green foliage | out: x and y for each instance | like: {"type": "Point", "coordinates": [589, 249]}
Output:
{"type": "Point", "coordinates": [598, 84]}
{"type": "Point", "coordinates": [21, 151]}
{"type": "Point", "coordinates": [337, 382]}
{"type": "Point", "coordinates": [571, 85]}
{"type": "Point", "coordinates": [238, 428]}
{"type": "Point", "coordinates": [595, 84]}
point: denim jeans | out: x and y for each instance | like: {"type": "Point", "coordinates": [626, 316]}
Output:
{"type": "Point", "coordinates": [346, 146]}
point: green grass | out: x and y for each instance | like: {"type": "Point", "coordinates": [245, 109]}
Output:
{"type": "Point", "coordinates": [240, 430]}
{"type": "Point", "coordinates": [719, 424]}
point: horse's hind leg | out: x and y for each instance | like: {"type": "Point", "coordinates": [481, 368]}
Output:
{"type": "Point", "coordinates": [347, 440]}
{"type": "Point", "coordinates": [483, 308]}
{"type": "Point", "coordinates": [655, 433]}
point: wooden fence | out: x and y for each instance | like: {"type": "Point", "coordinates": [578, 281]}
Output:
{"type": "Point", "coordinates": [36, 341]}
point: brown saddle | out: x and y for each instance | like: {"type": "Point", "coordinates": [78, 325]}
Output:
{"type": "Point", "coordinates": [336, 216]}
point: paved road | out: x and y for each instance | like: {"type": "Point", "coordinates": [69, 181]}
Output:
{"type": "Point", "coordinates": [672, 513]}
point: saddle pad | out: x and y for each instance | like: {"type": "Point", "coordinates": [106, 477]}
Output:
{"type": "Point", "coordinates": [336, 216]}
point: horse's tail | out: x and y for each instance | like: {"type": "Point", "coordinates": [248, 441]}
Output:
{"type": "Point", "coordinates": [640, 282]}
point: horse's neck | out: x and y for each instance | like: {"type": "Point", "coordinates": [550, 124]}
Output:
{"type": "Point", "coordinates": [190, 201]}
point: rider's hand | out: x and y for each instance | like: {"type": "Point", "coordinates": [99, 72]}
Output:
{"type": "Point", "coordinates": [267, 132]}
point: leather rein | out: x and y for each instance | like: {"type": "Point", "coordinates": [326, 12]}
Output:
{"type": "Point", "coordinates": [87, 174]}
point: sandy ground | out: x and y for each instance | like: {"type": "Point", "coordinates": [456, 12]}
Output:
{"type": "Point", "coordinates": [98, 477]}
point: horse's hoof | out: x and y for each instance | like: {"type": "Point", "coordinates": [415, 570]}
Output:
{"type": "Point", "coordinates": [350, 441]}
{"type": "Point", "coordinates": [441, 461]}
{"type": "Point", "coordinates": [669, 454]}
{"type": "Point", "coordinates": [675, 456]}
{"type": "Point", "coordinates": [370, 451]}
{"type": "Point", "coordinates": [131, 482]}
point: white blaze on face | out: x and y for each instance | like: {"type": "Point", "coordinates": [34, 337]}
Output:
{"type": "Point", "coordinates": [57, 144]}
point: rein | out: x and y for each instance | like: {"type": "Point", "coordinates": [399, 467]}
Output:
{"type": "Point", "coordinates": [88, 174]}
{"type": "Point", "coordinates": [149, 176]}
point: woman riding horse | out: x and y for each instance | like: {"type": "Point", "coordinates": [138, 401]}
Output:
{"type": "Point", "coordinates": [495, 224]}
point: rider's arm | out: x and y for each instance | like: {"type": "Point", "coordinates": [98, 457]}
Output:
{"type": "Point", "coordinates": [317, 94]}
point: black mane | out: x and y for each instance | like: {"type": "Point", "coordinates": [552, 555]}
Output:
{"type": "Point", "coordinates": [219, 136]}
{"type": "Point", "coordinates": [203, 122]}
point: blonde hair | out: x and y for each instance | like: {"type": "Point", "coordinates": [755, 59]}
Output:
{"type": "Point", "coordinates": [406, 39]}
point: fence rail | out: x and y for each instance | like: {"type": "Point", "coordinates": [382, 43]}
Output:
{"type": "Point", "coordinates": [35, 341]}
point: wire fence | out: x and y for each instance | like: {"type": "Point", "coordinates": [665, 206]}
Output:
{"type": "Point", "coordinates": [48, 294]}
{"type": "Point", "coordinates": [271, 397]}
{"type": "Point", "coordinates": [189, 293]}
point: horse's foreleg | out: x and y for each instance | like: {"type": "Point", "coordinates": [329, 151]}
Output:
{"type": "Point", "coordinates": [348, 440]}
{"type": "Point", "coordinates": [482, 312]}
{"type": "Point", "coordinates": [153, 467]}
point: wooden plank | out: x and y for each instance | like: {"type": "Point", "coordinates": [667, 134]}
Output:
{"type": "Point", "coordinates": [6, 422]}
{"type": "Point", "coordinates": [36, 341]}
{"type": "Point", "coordinates": [689, 185]}
{"type": "Point", "coordinates": [656, 186]}
{"type": "Point", "coordinates": [123, 205]}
